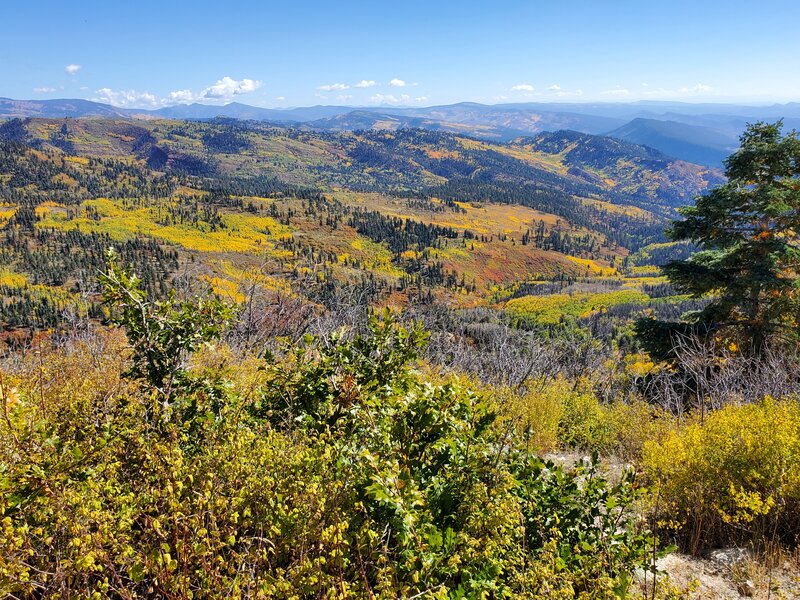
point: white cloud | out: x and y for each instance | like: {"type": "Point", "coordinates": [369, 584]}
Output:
{"type": "Point", "coordinates": [522, 87]}
{"type": "Point", "coordinates": [280, 98]}
{"type": "Point", "coordinates": [126, 98]}
{"type": "Point", "coordinates": [223, 90]}
{"type": "Point", "coordinates": [180, 97]}
{"type": "Point", "coordinates": [421, 99]}
{"type": "Point", "coordinates": [344, 97]}
{"type": "Point", "coordinates": [334, 87]}
{"type": "Point", "coordinates": [72, 69]}
{"type": "Point", "coordinates": [616, 93]}
{"type": "Point", "coordinates": [227, 87]}
{"type": "Point", "coordinates": [554, 88]}
{"type": "Point", "coordinates": [44, 90]}
{"type": "Point", "coordinates": [366, 83]}
{"type": "Point", "coordinates": [397, 83]}
{"type": "Point", "coordinates": [384, 99]}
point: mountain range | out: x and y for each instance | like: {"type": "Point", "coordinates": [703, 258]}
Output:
{"type": "Point", "coordinates": [699, 133]}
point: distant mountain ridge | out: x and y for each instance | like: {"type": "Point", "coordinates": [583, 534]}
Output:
{"type": "Point", "coordinates": [639, 171]}
{"type": "Point", "coordinates": [698, 133]}
{"type": "Point", "coordinates": [693, 143]}
{"type": "Point", "coordinates": [53, 109]}
{"type": "Point", "coordinates": [389, 158]}
{"type": "Point", "coordinates": [601, 112]}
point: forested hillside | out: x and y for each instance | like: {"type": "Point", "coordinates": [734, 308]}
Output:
{"type": "Point", "coordinates": [412, 216]}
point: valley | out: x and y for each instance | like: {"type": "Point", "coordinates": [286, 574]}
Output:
{"type": "Point", "coordinates": [419, 216]}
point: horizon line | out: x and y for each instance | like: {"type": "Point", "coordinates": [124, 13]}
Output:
{"type": "Point", "coordinates": [753, 104]}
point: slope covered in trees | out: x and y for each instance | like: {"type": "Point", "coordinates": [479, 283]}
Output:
{"type": "Point", "coordinates": [414, 215]}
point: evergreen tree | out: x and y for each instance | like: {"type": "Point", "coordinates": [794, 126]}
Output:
{"type": "Point", "coordinates": [749, 233]}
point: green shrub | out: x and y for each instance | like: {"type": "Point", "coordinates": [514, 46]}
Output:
{"type": "Point", "coordinates": [428, 465]}
{"type": "Point", "coordinates": [558, 505]}
{"type": "Point", "coordinates": [161, 333]}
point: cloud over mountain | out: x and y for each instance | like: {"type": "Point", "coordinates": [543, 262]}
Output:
{"type": "Point", "coordinates": [227, 87]}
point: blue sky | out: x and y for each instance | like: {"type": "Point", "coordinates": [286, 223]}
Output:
{"type": "Point", "coordinates": [149, 54]}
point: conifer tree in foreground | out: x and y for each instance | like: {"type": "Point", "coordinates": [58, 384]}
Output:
{"type": "Point", "coordinates": [749, 262]}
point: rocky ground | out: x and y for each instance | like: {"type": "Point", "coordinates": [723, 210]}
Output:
{"type": "Point", "coordinates": [731, 573]}
{"type": "Point", "coordinates": [722, 574]}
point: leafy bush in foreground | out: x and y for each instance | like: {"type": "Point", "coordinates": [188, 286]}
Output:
{"type": "Point", "coordinates": [338, 472]}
